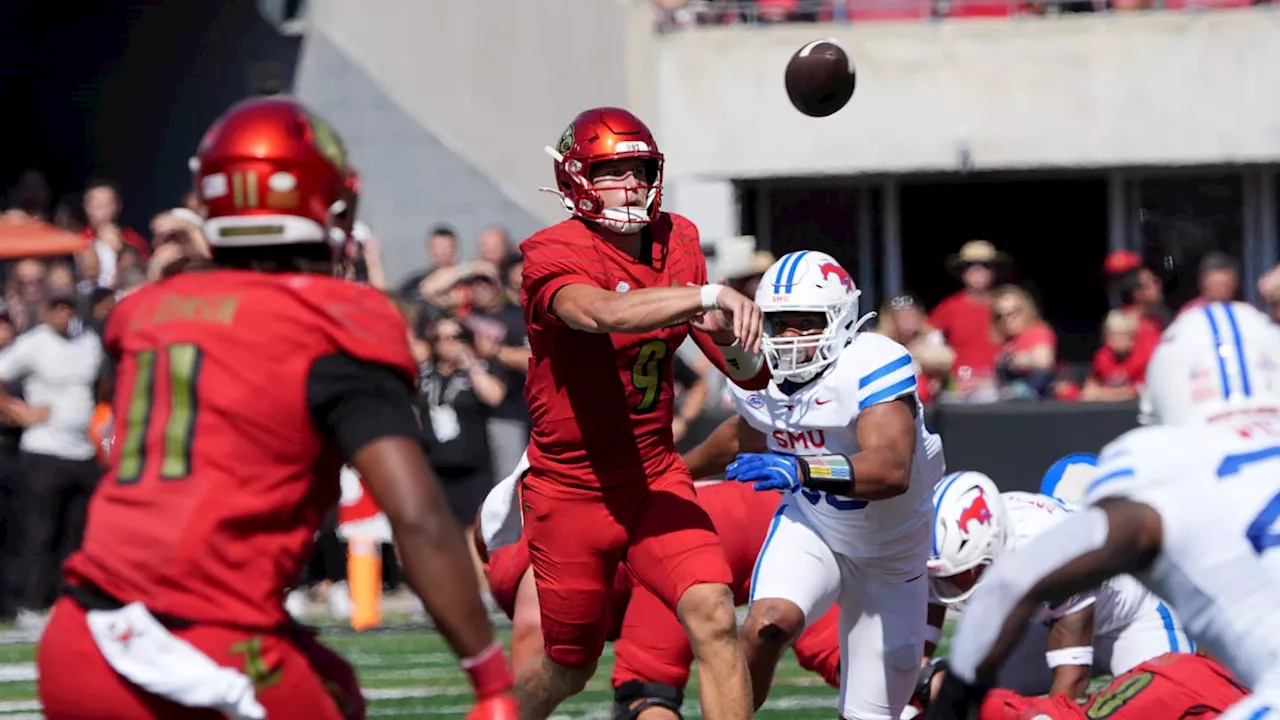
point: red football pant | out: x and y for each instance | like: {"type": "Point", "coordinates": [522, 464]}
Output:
{"type": "Point", "coordinates": [652, 645]}
{"type": "Point", "coordinates": [577, 539]}
{"type": "Point", "coordinates": [76, 683]}
{"type": "Point", "coordinates": [506, 566]}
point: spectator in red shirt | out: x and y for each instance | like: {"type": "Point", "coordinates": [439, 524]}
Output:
{"type": "Point", "coordinates": [1140, 289]}
{"type": "Point", "coordinates": [1118, 367]}
{"type": "Point", "coordinates": [1028, 357]}
{"type": "Point", "coordinates": [902, 320]}
{"type": "Point", "coordinates": [101, 209]}
{"type": "Point", "coordinates": [1219, 280]}
{"type": "Point", "coordinates": [965, 318]}
{"type": "Point", "coordinates": [1141, 299]}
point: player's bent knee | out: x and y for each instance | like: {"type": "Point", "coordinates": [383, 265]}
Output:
{"type": "Point", "coordinates": [571, 670]}
{"type": "Point", "coordinates": [773, 624]}
{"type": "Point", "coordinates": [707, 612]}
{"type": "Point", "coordinates": [637, 700]}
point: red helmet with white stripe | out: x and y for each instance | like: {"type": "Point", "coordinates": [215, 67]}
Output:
{"type": "Point", "coordinates": [271, 172]}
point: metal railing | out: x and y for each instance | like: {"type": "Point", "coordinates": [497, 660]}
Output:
{"type": "Point", "coordinates": [674, 15]}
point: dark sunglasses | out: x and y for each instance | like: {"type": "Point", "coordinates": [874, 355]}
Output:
{"type": "Point", "coordinates": [902, 302]}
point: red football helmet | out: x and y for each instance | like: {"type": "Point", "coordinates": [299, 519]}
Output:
{"type": "Point", "coordinates": [601, 135]}
{"type": "Point", "coordinates": [271, 172]}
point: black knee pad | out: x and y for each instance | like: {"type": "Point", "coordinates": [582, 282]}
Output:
{"type": "Point", "coordinates": [649, 694]}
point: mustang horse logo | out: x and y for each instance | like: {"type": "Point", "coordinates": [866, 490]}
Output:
{"type": "Point", "coordinates": [841, 274]}
{"type": "Point", "coordinates": [976, 512]}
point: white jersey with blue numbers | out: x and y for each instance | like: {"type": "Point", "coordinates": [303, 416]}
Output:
{"type": "Point", "coordinates": [1217, 491]}
{"type": "Point", "coordinates": [820, 419]}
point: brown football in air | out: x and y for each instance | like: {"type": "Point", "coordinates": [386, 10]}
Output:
{"type": "Point", "coordinates": [820, 78]}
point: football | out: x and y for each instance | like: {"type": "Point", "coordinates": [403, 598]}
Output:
{"type": "Point", "coordinates": [820, 78]}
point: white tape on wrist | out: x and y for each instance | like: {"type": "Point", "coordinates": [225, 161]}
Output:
{"type": "Point", "coordinates": [1081, 655]}
{"type": "Point", "coordinates": [710, 294]}
{"type": "Point", "coordinates": [742, 365]}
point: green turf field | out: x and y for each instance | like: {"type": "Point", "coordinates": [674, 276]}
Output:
{"type": "Point", "coordinates": [412, 675]}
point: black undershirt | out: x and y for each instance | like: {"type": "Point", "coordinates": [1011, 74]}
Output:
{"type": "Point", "coordinates": [356, 402]}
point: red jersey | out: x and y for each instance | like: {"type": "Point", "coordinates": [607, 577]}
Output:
{"type": "Point", "coordinates": [219, 475]}
{"type": "Point", "coordinates": [966, 323]}
{"type": "Point", "coordinates": [1174, 686]}
{"type": "Point", "coordinates": [1111, 370]}
{"type": "Point", "coordinates": [601, 403]}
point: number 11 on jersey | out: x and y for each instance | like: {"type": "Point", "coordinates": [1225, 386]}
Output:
{"type": "Point", "coordinates": [181, 363]}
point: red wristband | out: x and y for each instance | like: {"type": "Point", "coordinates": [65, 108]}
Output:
{"type": "Point", "coordinates": [488, 671]}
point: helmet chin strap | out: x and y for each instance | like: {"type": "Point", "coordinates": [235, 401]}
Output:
{"type": "Point", "coordinates": [624, 220]}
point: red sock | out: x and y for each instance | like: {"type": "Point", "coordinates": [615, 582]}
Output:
{"type": "Point", "coordinates": [488, 671]}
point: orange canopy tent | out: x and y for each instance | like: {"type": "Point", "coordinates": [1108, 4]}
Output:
{"type": "Point", "coordinates": [23, 236]}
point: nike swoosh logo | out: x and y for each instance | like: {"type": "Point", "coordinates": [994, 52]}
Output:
{"type": "Point", "coordinates": [821, 402]}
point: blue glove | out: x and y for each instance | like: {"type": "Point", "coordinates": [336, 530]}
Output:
{"type": "Point", "coordinates": [769, 471]}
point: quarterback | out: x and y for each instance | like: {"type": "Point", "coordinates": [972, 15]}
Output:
{"type": "Point", "coordinates": [1188, 507]}
{"type": "Point", "coordinates": [840, 432]}
{"type": "Point", "coordinates": [608, 296]}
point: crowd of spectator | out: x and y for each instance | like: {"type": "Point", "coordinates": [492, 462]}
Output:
{"type": "Point", "coordinates": [51, 318]}
{"type": "Point", "coordinates": [987, 342]}
{"type": "Point", "coordinates": [676, 14]}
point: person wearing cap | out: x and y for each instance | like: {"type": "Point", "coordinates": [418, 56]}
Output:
{"type": "Point", "coordinates": [502, 343]}
{"type": "Point", "coordinates": [57, 366]}
{"type": "Point", "coordinates": [965, 317]}
{"type": "Point", "coordinates": [902, 319]}
{"type": "Point", "coordinates": [747, 282]}
{"type": "Point", "coordinates": [1141, 299]}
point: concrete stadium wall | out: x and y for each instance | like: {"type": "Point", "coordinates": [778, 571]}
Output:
{"type": "Point", "coordinates": [447, 104]}
{"type": "Point", "coordinates": [1075, 91]}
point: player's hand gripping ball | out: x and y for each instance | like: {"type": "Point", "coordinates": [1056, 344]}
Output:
{"type": "Point", "coordinates": [769, 471]}
{"type": "Point", "coordinates": [820, 78]}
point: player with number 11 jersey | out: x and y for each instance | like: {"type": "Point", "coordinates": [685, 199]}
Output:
{"type": "Point", "coordinates": [240, 390]}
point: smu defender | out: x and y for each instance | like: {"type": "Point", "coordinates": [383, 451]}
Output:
{"type": "Point", "coordinates": [840, 431]}
{"type": "Point", "coordinates": [1113, 627]}
{"type": "Point", "coordinates": [1189, 509]}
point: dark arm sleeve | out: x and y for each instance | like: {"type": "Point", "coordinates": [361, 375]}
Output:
{"type": "Point", "coordinates": [356, 402]}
